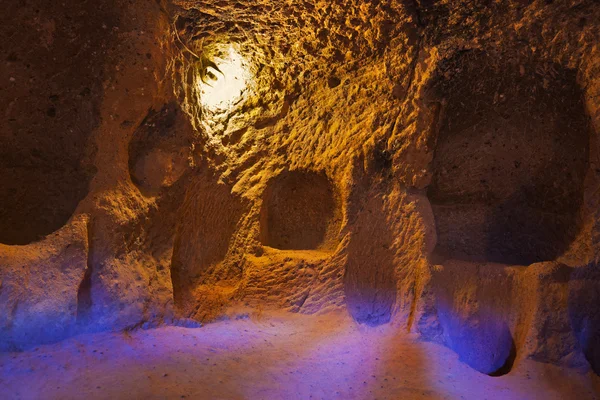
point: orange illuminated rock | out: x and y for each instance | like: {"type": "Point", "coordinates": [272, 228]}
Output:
{"type": "Point", "coordinates": [428, 165]}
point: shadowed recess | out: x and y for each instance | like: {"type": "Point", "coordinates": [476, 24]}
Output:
{"type": "Point", "coordinates": [51, 93]}
{"type": "Point", "coordinates": [298, 211]}
{"type": "Point", "coordinates": [159, 149]}
{"type": "Point", "coordinates": [510, 160]}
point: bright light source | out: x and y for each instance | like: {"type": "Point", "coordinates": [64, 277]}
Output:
{"type": "Point", "coordinates": [221, 90]}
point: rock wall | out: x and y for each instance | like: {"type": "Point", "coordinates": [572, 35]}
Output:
{"type": "Point", "coordinates": [430, 164]}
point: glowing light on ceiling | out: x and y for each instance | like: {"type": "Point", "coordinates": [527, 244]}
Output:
{"type": "Point", "coordinates": [224, 86]}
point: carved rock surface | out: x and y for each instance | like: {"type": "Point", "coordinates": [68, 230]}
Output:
{"type": "Point", "coordinates": [432, 165]}
{"type": "Point", "coordinates": [39, 287]}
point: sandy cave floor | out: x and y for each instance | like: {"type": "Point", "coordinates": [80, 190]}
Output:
{"type": "Point", "coordinates": [282, 356]}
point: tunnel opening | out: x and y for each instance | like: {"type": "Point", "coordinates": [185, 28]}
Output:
{"type": "Point", "coordinates": [37, 201]}
{"type": "Point", "coordinates": [510, 160]}
{"type": "Point", "coordinates": [299, 212]}
{"type": "Point", "coordinates": [51, 94]}
{"type": "Point", "coordinates": [508, 364]}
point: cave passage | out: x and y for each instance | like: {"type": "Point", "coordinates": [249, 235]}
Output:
{"type": "Point", "coordinates": [345, 200]}
{"type": "Point", "coordinates": [510, 162]}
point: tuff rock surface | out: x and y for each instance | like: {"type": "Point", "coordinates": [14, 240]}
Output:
{"type": "Point", "coordinates": [429, 164]}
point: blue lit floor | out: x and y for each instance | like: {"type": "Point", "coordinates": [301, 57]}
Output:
{"type": "Point", "coordinates": [277, 357]}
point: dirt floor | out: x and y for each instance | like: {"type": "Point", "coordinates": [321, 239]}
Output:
{"type": "Point", "coordinates": [282, 356]}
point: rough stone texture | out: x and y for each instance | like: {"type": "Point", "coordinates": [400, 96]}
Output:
{"type": "Point", "coordinates": [474, 304]}
{"type": "Point", "coordinates": [159, 149]}
{"type": "Point", "coordinates": [52, 89]}
{"type": "Point", "coordinates": [433, 164]}
{"type": "Point", "coordinates": [510, 160]}
{"type": "Point", "coordinates": [370, 278]}
{"type": "Point", "coordinates": [584, 294]}
{"type": "Point", "coordinates": [299, 212]}
{"type": "Point", "coordinates": [203, 240]}
{"type": "Point", "coordinates": [39, 288]}
{"type": "Point", "coordinates": [100, 67]}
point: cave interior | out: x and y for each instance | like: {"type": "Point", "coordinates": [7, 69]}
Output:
{"type": "Point", "coordinates": [348, 199]}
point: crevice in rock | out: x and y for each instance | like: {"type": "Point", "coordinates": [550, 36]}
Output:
{"type": "Point", "coordinates": [84, 292]}
{"type": "Point", "coordinates": [303, 299]}
{"type": "Point", "coordinates": [508, 365]}
{"type": "Point", "coordinates": [413, 305]}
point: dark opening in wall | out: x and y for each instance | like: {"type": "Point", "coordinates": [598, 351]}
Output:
{"type": "Point", "coordinates": [510, 160]}
{"type": "Point", "coordinates": [37, 201]}
{"type": "Point", "coordinates": [51, 107]}
{"type": "Point", "coordinates": [299, 212]}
